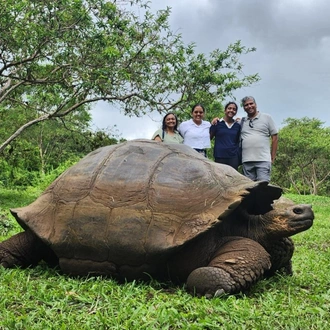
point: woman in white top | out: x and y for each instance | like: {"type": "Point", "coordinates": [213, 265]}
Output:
{"type": "Point", "coordinates": [168, 133]}
{"type": "Point", "coordinates": [195, 132]}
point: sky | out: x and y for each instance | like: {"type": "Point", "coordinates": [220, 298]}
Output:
{"type": "Point", "coordinates": [292, 38]}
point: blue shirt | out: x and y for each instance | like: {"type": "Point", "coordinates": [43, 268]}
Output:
{"type": "Point", "coordinates": [226, 142]}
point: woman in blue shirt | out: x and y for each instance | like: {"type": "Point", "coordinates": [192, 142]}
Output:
{"type": "Point", "coordinates": [227, 132]}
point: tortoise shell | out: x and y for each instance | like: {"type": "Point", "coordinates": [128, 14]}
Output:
{"type": "Point", "coordinates": [134, 203]}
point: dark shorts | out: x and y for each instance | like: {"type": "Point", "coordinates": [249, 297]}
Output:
{"type": "Point", "coordinates": [201, 151]}
{"type": "Point", "coordinates": [233, 162]}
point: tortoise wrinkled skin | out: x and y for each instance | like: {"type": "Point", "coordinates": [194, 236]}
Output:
{"type": "Point", "coordinates": [143, 209]}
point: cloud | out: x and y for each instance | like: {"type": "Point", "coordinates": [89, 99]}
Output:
{"type": "Point", "coordinates": [111, 119]}
{"type": "Point", "coordinates": [292, 38]}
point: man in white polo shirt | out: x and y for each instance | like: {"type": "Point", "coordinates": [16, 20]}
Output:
{"type": "Point", "coordinates": [195, 132]}
{"type": "Point", "coordinates": [258, 152]}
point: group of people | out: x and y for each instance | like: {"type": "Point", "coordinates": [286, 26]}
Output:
{"type": "Point", "coordinates": [236, 141]}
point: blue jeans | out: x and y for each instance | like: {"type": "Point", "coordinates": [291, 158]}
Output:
{"type": "Point", "coordinates": [257, 171]}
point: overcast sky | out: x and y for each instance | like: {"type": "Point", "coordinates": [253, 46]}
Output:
{"type": "Point", "coordinates": [292, 38]}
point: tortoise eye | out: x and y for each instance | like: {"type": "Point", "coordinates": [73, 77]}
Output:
{"type": "Point", "coordinates": [298, 210]}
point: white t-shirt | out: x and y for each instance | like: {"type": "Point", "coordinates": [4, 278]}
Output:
{"type": "Point", "coordinates": [195, 136]}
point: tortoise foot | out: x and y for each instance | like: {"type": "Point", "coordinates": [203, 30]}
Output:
{"type": "Point", "coordinates": [281, 252]}
{"type": "Point", "coordinates": [236, 265]}
{"type": "Point", "coordinates": [210, 282]}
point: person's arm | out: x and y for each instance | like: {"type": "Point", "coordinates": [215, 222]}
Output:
{"type": "Point", "coordinates": [212, 131]}
{"type": "Point", "coordinates": [274, 147]}
{"type": "Point", "coordinates": [157, 138]}
{"type": "Point", "coordinates": [215, 121]}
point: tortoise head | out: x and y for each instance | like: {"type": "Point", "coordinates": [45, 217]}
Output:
{"type": "Point", "coordinates": [260, 218]}
{"type": "Point", "coordinates": [287, 220]}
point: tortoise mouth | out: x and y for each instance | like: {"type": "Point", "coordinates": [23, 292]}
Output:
{"type": "Point", "coordinates": [303, 216]}
{"type": "Point", "coordinates": [303, 224]}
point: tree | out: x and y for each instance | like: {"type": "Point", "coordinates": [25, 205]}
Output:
{"type": "Point", "coordinates": [47, 145]}
{"type": "Point", "coordinates": [302, 163]}
{"type": "Point", "coordinates": [59, 57]}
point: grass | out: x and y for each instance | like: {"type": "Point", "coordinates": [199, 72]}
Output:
{"type": "Point", "coordinates": [42, 298]}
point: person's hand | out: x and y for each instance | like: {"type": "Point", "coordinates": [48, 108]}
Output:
{"type": "Point", "coordinates": [214, 121]}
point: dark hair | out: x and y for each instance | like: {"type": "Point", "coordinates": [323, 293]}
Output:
{"type": "Point", "coordinates": [198, 105]}
{"type": "Point", "coordinates": [229, 103]}
{"type": "Point", "coordinates": [176, 121]}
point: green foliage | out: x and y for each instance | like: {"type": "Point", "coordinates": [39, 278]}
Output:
{"type": "Point", "coordinates": [5, 224]}
{"type": "Point", "coordinates": [302, 163]}
{"type": "Point", "coordinates": [43, 298]}
{"type": "Point", "coordinates": [9, 199]}
{"type": "Point", "coordinates": [59, 57]}
{"type": "Point", "coordinates": [47, 148]}
{"type": "Point", "coordinates": [211, 79]}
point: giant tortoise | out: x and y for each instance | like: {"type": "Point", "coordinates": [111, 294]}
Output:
{"type": "Point", "coordinates": [144, 209]}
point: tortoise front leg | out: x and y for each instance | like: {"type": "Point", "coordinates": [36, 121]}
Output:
{"type": "Point", "coordinates": [281, 252]}
{"type": "Point", "coordinates": [235, 266]}
{"type": "Point", "coordinates": [23, 250]}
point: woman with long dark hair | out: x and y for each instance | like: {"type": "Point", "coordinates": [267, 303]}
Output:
{"type": "Point", "coordinates": [168, 133]}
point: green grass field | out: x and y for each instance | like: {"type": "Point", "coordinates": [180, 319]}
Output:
{"type": "Point", "coordinates": [42, 298]}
